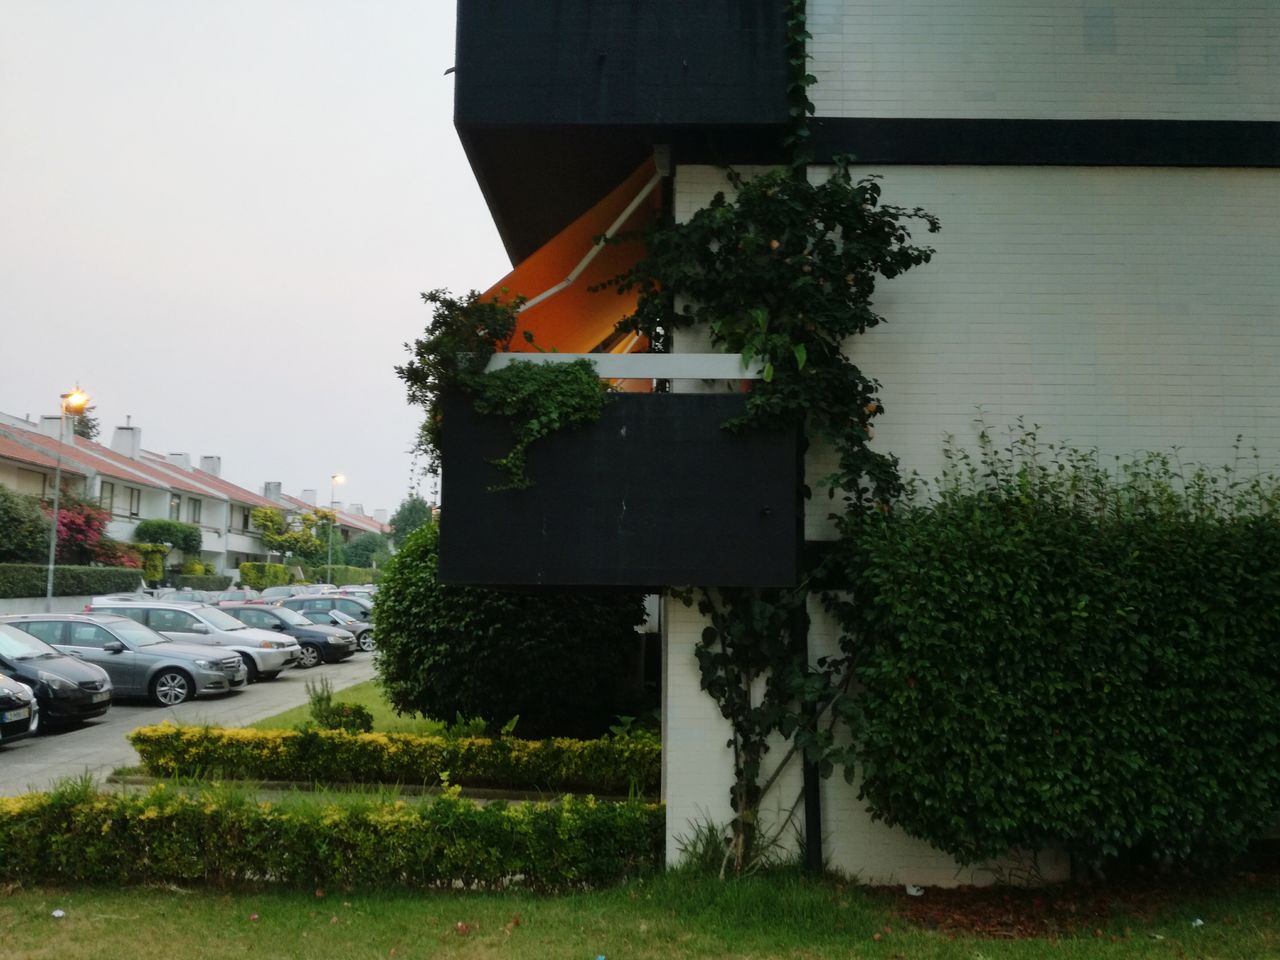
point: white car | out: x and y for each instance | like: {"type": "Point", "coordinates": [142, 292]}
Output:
{"type": "Point", "coordinates": [264, 653]}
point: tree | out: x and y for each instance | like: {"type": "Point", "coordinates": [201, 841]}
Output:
{"type": "Point", "coordinates": [556, 660]}
{"type": "Point", "coordinates": [367, 548]}
{"type": "Point", "coordinates": [300, 538]}
{"type": "Point", "coordinates": [184, 536]}
{"type": "Point", "coordinates": [81, 532]}
{"type": "Point", "coordinates": [412, 513]}
{"type": "Point", "coordinates": [86, 424]}
{"type": "Point", "coordinates": [24, 529]}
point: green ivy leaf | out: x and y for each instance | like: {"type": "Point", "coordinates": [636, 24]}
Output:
{"type": "Point", "coordinates": [801, 355]}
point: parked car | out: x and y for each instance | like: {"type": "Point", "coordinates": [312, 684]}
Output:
{"type": "Point", "coordinates": [351, 606]}
{"type": "Point", "coordinates": [276, 594]}
{"type": "Point", "coordinates": [19, 711]}
{"type": "Point", "coordinates": [244, 595]}
{"type": "Point", "coordinates": [264, 654]}
{"type": "Point", "coordinates": [327, 644]}
{"type": "Point", "coordinates": [190, 596]}
{"type": "Point", "coordinates": [362, 629]}
{"type": "Point", "coordinates": [68, 690]}
{"type": "Point", "coordinates": [139, 661]}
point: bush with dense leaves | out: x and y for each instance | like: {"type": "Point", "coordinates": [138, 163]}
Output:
{"type": "Point", "coordinates": [183, 536]}
{"type": "Point", "coordinates": [29, 580]}
{"type": "Point", "coordinates": [259, 576]}
{"type": "Point", "coordinates": [555, 659]}
{"type": "Point", "coordinates": [191, 581]}
{"type": "Point", "coordinates": [217, 836]}
{"type": "Point", "coordinates": [615, 765]}
{"type": "Point", "coordinates": [1049, 652]}
{"type": "Point", "coordinates": [24, 528]}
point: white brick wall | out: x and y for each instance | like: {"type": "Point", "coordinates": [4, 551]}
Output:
{"type": "Point", "coordinates": [1119, 308]}
{"type": "Point", "coordinates": [1047, 59]}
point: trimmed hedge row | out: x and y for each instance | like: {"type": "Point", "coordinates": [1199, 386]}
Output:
{"type": "Point", "coordinates": [193, 581]}
{"type": "Point", "coordinates": [342, 576]}
{"type": "Point", "coordinates": [615, 766]}
{"type": "Point", "coordinates": [259, 576]}
{"type": "Point", "coordinates": [222, 837]}
{"type": "Point", "coordinates": [29, 579]}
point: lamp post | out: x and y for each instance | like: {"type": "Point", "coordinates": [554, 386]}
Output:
{"type": "Point", "coordinates": [73, 403]}
{"type": "Point", "coordinates": [334, 480]}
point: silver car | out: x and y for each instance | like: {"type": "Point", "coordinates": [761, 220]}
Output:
{"type": "Point", "coordinates": [140, 662]}
{"type": "Point", "coordinates": [264, 654]}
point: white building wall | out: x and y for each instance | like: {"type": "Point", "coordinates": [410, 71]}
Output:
{"type": "Point", "coordinates": [1046, 59]}
{"type": "Point", "coordinates": [1121, 308]}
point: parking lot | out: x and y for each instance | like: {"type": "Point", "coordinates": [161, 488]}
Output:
{"type": "Point", "coordinates": [99, 746]}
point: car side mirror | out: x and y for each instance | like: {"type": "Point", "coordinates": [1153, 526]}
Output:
{"type": "Point", "coordinates": [200, 628]}
{"type": "Point", "coordinates": [113, 646]}
{"type": "Point", "coordinates": [277, 626]}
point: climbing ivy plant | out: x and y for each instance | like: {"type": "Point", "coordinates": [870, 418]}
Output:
{"type": "Point", "coordinates": [782, 270]}
{"type": "Point", "coordinates": [537, 398]}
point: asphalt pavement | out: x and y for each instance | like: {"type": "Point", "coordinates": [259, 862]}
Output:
{"type": "Point", "coordinates": [99, 746]}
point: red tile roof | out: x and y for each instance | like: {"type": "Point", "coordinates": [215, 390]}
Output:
{"type": "Point", "coordinates": [84, 454]}
{"type": "Point", "coordinates": [12, 450]}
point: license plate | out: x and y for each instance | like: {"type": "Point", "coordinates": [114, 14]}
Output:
{"type": "Point", "coordinates": [99, 697]}
{"type": "Point", "coordinates": [12, 715]}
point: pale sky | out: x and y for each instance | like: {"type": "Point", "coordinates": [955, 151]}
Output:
{"type": "Point", "coordinates": [217, 216]}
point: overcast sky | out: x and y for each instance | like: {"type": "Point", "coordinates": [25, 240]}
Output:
{"type": "Point", "coordinates": [217, 216]}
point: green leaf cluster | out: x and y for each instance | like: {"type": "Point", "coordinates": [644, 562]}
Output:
{"type": "Point", "coordinates": [259, 576]}
{"type": "Point", "coordinates": [29, 580]}
{"type": "Point", "coordinates": [555, 658]}
{"type": "Point", "coordinates": [183, 536]}
{"type": "Point", "coordinates": [1049, 650]}
{"type": "Point", "coordinates": [222, 837]}
{"type": "Point", "coordinates": [609, 765]}
{"type": "Point", "coordinates": [24, 528]}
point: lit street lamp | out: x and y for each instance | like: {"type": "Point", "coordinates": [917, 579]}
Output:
{"type": "Point", "coordinates": [73, 403]}
{"type": "Point", "coordinates": [334, 480]}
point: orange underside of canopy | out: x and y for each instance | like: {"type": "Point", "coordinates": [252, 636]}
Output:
{"type": "Point", "coordinates": [575, 319]}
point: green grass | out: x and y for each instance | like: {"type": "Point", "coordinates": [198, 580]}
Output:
{"type": "Point", "coordinates": [368, 695]}
{"type": "Point", "coordinates": [676, 915]}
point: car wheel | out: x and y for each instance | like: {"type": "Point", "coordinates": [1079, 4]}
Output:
{"type": "Point", "coordinates": [269, 675]}
{"type": "Point", "coordinates": [365, 641]}
{"type": "Point", "coordinates": [172, 687]}
{"type": "Point", "coordinates": [251, 668]}
{"type": "Point", "coordinates": [310, 656]}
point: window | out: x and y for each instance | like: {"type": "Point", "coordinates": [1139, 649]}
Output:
{"type": "Point", "coordinates": [50, 631]}
{"type": "Point", "coordinates": [107, 496]}
{"type": "Point", "coordinates": [31, 483]}
{"type": "Point", "coordinates": [176, 621]}
{"type": "Point", "coordinates": [89, 635]}
{"type": "Point", "coordinates": [257, 618]}
{"type": "Point", "coordinates": [133, 613]}
{"type": "Point", "coordinates": [175, 507]}
{"type": "Point", "coordinates": [244, 518]}
{"type": "Point", "coordinates": [193, 510]}
{"type": "Point", "coordinates": [135, 501]}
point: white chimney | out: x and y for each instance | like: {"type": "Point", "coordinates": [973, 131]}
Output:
{"type": "Point", "coordinates": [271, 490]}
{"type": "Point", "coordinates": [127, 441]}
{"type": "Point", "coordinates": [357, 509]}
{"type": "Point", "coordinates": [336, 505]}
{"type": "Point", "coordinates": [380, 515]}
{"type": "Point", "coordinates": [51, 427]}
{"type": "Point", "coordinates": [211, 465]}
{"type": "Point", "coordinates": [180, 460]}
{"type": "Point", "coordinates": [308, 496]}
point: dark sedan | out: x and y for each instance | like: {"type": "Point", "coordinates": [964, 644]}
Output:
{"type": "Point", "coordinates": [68, 690]}
{"type": "Point", "coordinates": [351, 606]}
{"type": "Point", "coordinates": [319, 643]}
{"type": "Point", "coordinates": [336, 618]}
{"type": "Point", "coordinates": [19, 710]}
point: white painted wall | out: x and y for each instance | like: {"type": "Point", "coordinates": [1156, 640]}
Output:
{"type": "Point", "coordinates": [1122, 308]}
{"type": "Point", "coordinates": [1046, 59]}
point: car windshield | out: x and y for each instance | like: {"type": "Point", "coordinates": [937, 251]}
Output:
{"type": "Point", "coordinates": [17, 645]}
{"type": "Point", "coordinates": [292, 617]}
{"type": "Point", "coordinates": [136, 633]}
{"type": "Point", "coordinates": [217, 618]}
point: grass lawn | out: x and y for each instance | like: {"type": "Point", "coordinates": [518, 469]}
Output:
{"type": "Point", "coordinates": [676, 915]}
{"type": "Point", "coordinates": [368, 695]}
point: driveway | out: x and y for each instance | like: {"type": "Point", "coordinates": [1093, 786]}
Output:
{"type": "Point", "coordinates": [99, 746]}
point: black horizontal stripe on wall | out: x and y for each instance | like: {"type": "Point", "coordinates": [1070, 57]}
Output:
{"type": "Point", "coordinates": [1156, 143]}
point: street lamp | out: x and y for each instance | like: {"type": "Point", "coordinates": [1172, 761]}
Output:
{"type": "Point", "coordinates": [73, 403]}
{"type": "Point", "coordinates": [334, 480]}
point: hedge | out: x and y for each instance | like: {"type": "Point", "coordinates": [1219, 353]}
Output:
{"type": "Point", "coordinates": [341, 576]}
{"type": "Point", "coordinates": [623, 765]}
{"type": "Point", "coordinates": [191, 581]}
{"type": "Point", "coordinates": [29, 580]}
{"type": "Point", "coordinates": [259, 576]}
{"type": "Point", "coordinates": [222, 837]}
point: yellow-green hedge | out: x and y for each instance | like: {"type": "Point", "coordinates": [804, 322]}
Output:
{"type": "Point", "coordinates": [75, 835]}
{"type": "Point", "coordinates": [623, 765]}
